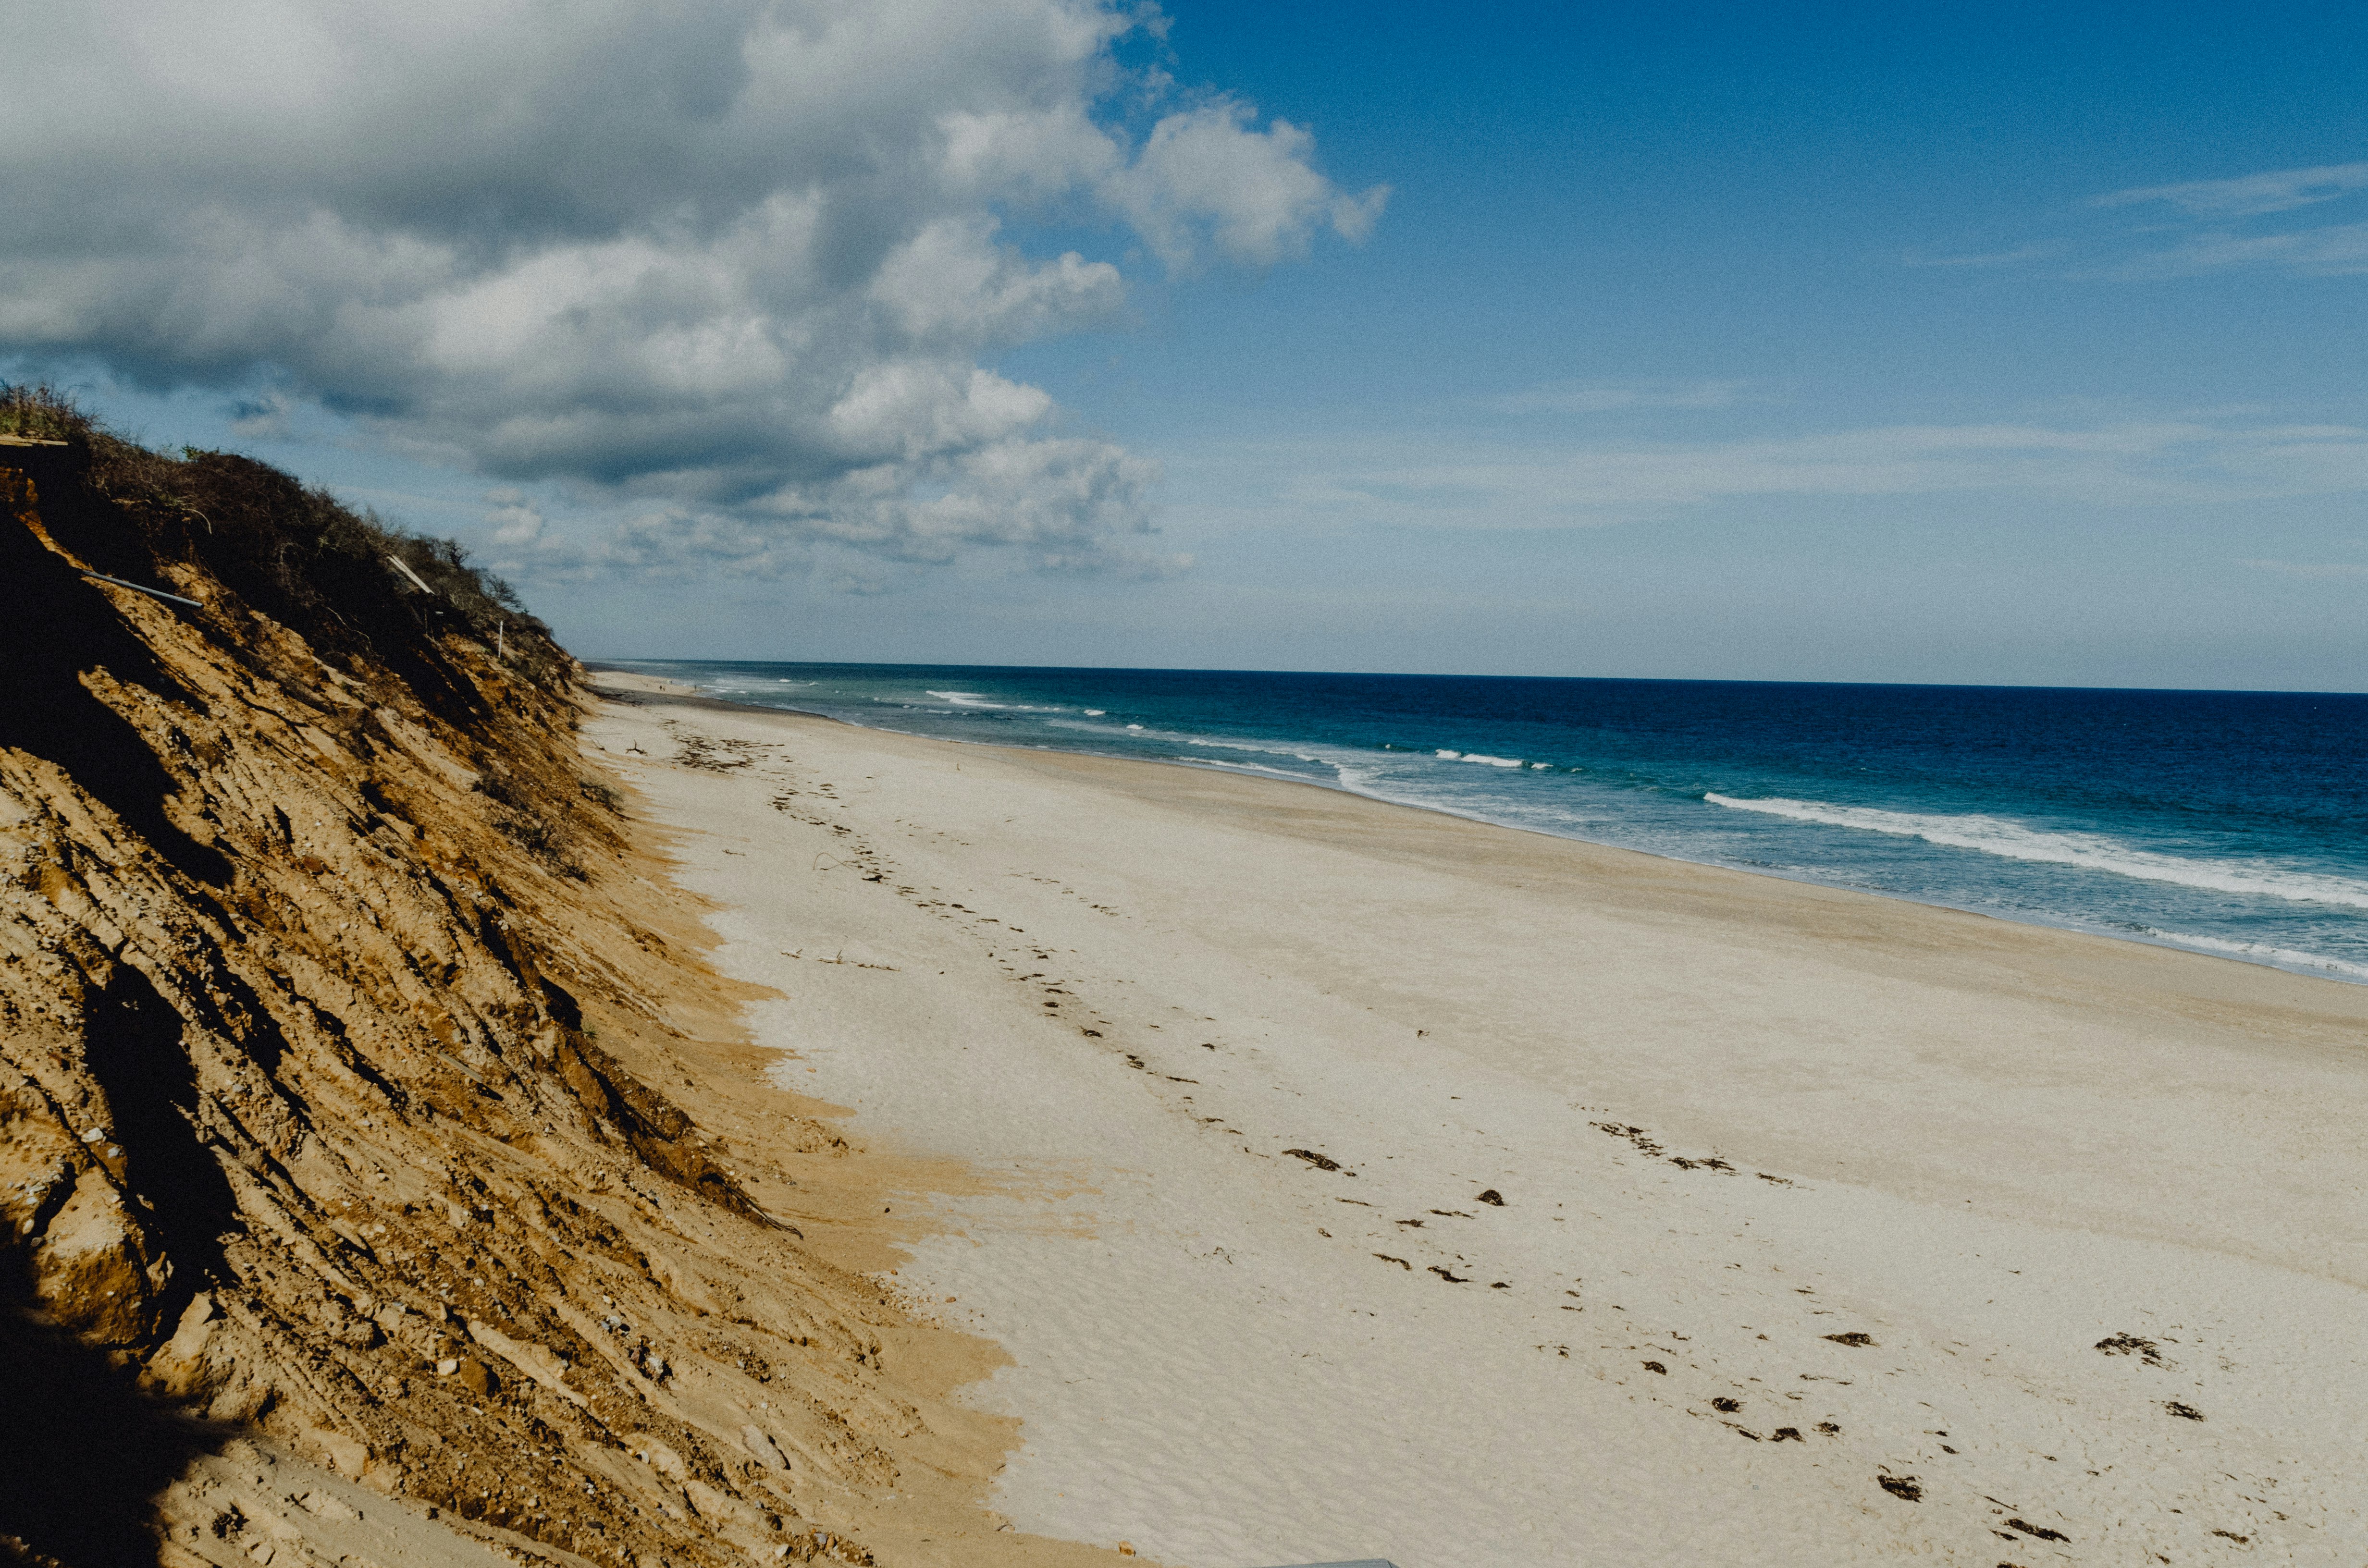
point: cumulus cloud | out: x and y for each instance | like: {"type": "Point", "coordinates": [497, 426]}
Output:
{"type": "Point", "coordinates": [1252, 193]}
{"type": "Point", "coordinates": [515, 520]}
{"type": "Point", "coordinates": [740, 258]}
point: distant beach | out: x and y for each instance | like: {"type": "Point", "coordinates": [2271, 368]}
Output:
{"type": "Point", "coordinates": [2225, 823]}
{"type": "Point", "coordinates": [1343, 1180]}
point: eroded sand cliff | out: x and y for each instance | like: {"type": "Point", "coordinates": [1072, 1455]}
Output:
{"type": "Point", "coordinates": [351, 1056]}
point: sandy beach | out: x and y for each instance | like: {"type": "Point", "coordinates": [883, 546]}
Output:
{"type": "Point", "coordinates": [1342, 1180]}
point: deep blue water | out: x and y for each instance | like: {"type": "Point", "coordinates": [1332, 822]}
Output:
{"type": "Point", "coordinates": [2234, 822]}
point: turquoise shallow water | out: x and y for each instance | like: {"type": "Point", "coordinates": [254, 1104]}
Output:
{"type": "Point", "coordinates": [2231, 822]}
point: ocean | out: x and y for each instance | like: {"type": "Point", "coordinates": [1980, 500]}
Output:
{"type": "Point", "coordinates": [2229, 823]}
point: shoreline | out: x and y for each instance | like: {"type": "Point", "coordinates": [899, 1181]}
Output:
{"type": "Point", "coordinates": [1632, 1141]}
{"type": "Point", "coordinates": [2327, 970]}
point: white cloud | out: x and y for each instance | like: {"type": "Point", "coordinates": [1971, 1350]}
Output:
{"type": "Point", "coordinates": [2275, 191]}
{"type": "Point", "coordinates": [2201, 226]}
{"type": "Point", "coordinates": [1254, 192]}
{"type": "Point", "coordinates": [2219, 240]}
{"type": "Point", "coordinates": [1588, 397]}
{"type": "Point", "coordinates": [2017, 256]}
{"type": "Point", "coordinates": [2343, 570]}
{"type": "Point", "coordinates": [517, 521]}
{"type": "Point", "coordinates": [1065, 501]}
{"type": "Point", "coordinates": [743, 259]}
{"type": "Point", "coordinates": [2328, 252]}
{"type": "Point", "coordinates": [1455, 481]}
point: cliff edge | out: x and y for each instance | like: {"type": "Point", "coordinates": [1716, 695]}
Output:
{"type": "Point", "coordinates": [335, 1172]}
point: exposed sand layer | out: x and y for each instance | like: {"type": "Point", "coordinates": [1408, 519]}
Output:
{"type": "Point", "coordinates": [1348, 1181]}
{"type": "Point", "coordinates": [383, 1177]}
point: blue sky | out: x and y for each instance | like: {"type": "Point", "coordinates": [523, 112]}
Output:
{"type": "Point", "coordinates": [1811, 343]}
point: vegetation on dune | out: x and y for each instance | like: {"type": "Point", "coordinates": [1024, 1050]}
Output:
{"type": "Point", "coordinates": [293, 551]}
{"type": "Point", "coordinates": [404, 614]}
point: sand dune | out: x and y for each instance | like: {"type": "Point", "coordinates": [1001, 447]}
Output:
{"type": "Point", "coordinates": [1347, 1181]}
{"type": "Point", "coordinates": [359, 1202]}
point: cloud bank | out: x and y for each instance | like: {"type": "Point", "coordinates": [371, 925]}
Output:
{"type": "Point", "coordinates": [1486, 483]}
{"type": "Point", "coordinates": [740, 259]}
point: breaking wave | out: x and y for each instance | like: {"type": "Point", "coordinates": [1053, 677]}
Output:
{"type": "Point", "coordinates": [2089, 851]}
{"type": "Point", "coordinates": [2257, 952]}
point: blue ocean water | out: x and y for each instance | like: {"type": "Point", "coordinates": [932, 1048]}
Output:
{"type": "Point", "coordinates": [2233, 823]}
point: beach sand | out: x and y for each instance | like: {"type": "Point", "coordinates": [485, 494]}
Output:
{"type": "Point", "coordinates": [1344, 1180]}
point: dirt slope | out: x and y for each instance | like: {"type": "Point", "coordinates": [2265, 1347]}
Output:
{"type": "Point", "coordinates": [345, 1042]}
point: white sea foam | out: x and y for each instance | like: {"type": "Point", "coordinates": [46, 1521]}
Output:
{"type": "Point", "coordinates": [2090, 851]}
{"type": "Point", "coordinates": [1245, 767]}
{"type": "Point", "coordinates": [1095, 712]}
{"type": "Point", "coordinates": [1247, 745]}
{"type": "Point", "coordinates": [2261, 952]}
{"type": "Point", "coordinates": [1481, 757]}
{"type": "Point", "coordinates": [1369, 782]}
{"type": "Point", "coordinates": [973, 699]}
{"type": "Point", "coordinates": [1175, 738]}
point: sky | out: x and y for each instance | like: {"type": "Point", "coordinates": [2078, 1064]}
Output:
{"type": "Point", "coordinates": [2015, 345]}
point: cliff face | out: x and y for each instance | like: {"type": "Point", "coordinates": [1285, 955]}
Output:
{"type": "Point", "coordinates": [321, 954]}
